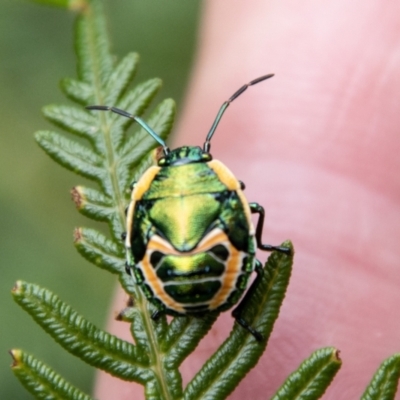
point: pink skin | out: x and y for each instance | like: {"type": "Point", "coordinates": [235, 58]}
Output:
{"type": "Point", "coordinates": [318, 146]}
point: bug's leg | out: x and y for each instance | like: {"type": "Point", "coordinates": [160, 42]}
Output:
{"type": "Point", "coordinates": [128, 268]}
{"type": "Point", "coordinates": [123, 234]}
{"type": "Point", "coordinates": [130, 262]}
{"type": "Point", "coordinates": [237, 312]}
{"type": "Point", "coordinates": [255, 208]}
{"type": "Point", "coordinates": [242, 185]}
{"type": "Point", "coordinates": [156, 315]}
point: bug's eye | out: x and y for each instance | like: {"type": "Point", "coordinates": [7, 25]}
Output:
{"type": "Point", "coordinates": [161, 161]}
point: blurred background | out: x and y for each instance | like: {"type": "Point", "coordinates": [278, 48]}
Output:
{"type": "Point", "coordinates": [37, 216]}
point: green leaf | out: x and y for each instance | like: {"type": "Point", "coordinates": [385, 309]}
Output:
{"type": "Point", "coordinates": [99, 250]}
{"type": "Point", "coordinates": [240, 352]}
{"type": "Point", "coordinates": [161, 121]}
{"type": "Point", "coordinates": [41, 381]}
{"type": "Point", "coordinates": [76, 120]}
{"type": "Point", "coordinates": [70, 4]}
{"type": "Point", "coordinates": [312, 378]}
{"type": "Point", "coordinates": [139, 334]}
{"type": "Point", "coordinates": [136, 101]}
{"type": "Point", "coordinates": [78, 91]}
{"type": "Point", "coordinates": [183, 335]}
{"type": "Point", "coordinates": [120, 78]}
{"type": "Point", "coordinates": [385, 381]}
{"type": "Point", "coordinates": [71, 155]}
{"type": "Point", "coordinates": [92, 47]}
{"type": "Point", "coordinates": [93, 203]}
{"type": "Point", "coordinates": [78, 336]}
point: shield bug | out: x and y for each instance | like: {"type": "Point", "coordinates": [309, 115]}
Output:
{"type": "Point", "coordinates": [190, 242]}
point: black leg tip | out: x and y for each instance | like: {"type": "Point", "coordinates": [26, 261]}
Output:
{"type": "Point", "coordinates": [156, 315]}
{"type": "Point", "coordinates": [285, 250]}
{"type": "Point", "coordinates": [128, 268]}
{"type": "Point", "coordinates": [257, 335]}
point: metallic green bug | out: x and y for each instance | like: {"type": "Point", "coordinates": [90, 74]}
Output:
{"type": "Point", "coordinates": [190, 241]}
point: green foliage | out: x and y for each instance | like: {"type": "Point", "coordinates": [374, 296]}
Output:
{"type": "Point", "coordinates": [99, 148]}
{"type": "Point", "coordinates": [384, 383]}
{"type": "Point", "coordinates": [71, 4]}
{"type": "Point", "coordinates": [77, 335]}
{"type": "Point", "coordinates": [41, 381]}
{"type": "Point", "coordinates": [311, 379]}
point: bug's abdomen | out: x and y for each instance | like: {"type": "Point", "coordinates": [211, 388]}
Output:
{"type": "Point", "coordinates": [212, 275]}
{"type": "Point", "coordinates": [191, 279]}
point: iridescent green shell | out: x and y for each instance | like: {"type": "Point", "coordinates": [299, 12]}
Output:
{"type": "Point", "coordinates": [190, 240]}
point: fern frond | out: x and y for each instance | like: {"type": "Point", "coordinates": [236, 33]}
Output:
{"type": "Point", "coordinates": [384, 383]}
{"type": "Point", "coordinates": [311, 379]}
{"type": "Point", "coordinates": [79, 336]}
{"type": "Point", "coordinates": [41, 381]}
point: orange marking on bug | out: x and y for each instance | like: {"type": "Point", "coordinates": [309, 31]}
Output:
{"type": "Point", "coordinates": [229, 278]}
{"type": "Point", "coordinates": [247, 211]}
{"type": "Point", "coordinates": [137, 193]}
{"type": "Point", "coordinates": [142, 186]}
{"type": "Point", "coordinates": [215, 237]}
{"type": "Point", "coordinates": [156, 243]}
{"type": "Point", "coordinates": [156, 285]}
{"type": "Point", "coordinates": [230, 181]}
{"type": "Point", "coordinates": [224, 174]}
{"type": "Point", "coordinates": [129, 223]}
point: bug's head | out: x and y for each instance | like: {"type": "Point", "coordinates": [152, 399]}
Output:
{"type": "Point", "coordinates": [184, 155]}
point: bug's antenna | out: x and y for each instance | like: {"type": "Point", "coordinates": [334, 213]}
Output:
{"type": "Point", "coordinates": [207, 145]}
{"type": "Point", "coordinates": [137, 119]}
